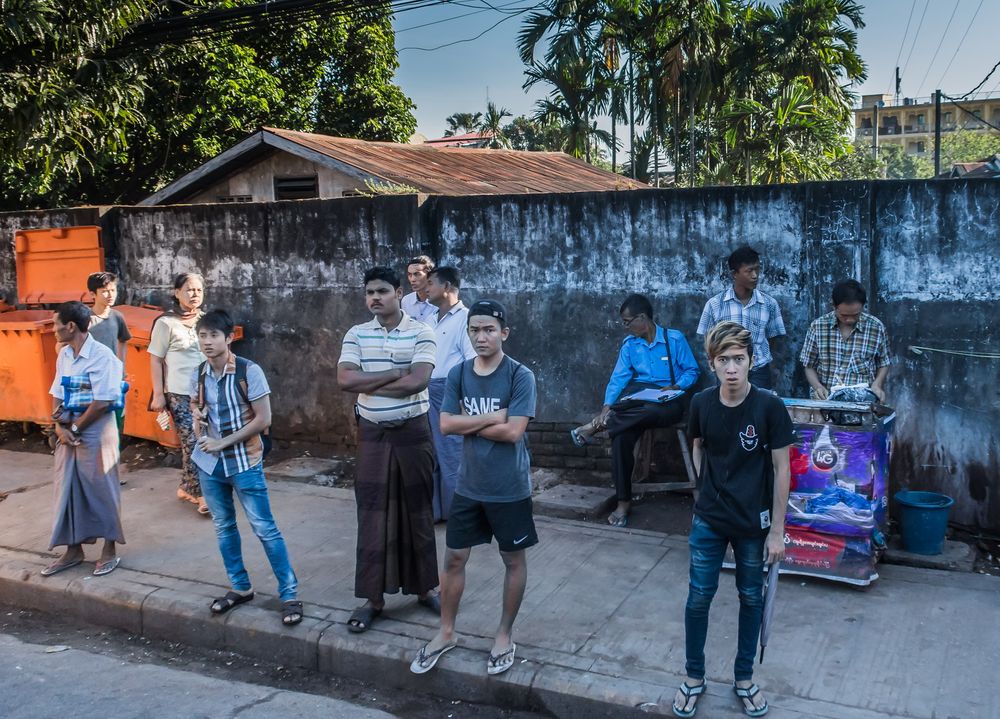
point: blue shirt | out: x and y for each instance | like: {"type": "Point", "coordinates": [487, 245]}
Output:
{"type": "Point", "coordinates": [640, 361]}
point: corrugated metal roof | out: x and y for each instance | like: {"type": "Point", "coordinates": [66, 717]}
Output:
{"type": "Point", "coordinates": [463, 171]}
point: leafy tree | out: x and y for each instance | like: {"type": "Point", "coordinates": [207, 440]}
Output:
{"type": "Point", "coordinates": [967, 146]}
{"type": "Point", "coordinates": [492, 125]}
{"type": "Point", "coordinates": [525, 133]}
{"type": "Point", "coordinates": [463, 122]}
{"type": "Point", "coordinates": [859, 163]}
{"type": "Point", "coordinates": [575, 87]}
{"type": "Point", "coordinates": [119, 119]}
{"type": "Point", "coordinates": [903, 166]}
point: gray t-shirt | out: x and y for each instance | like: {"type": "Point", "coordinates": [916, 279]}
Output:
{"type": "Point", "coordinates": [110, 330]}
{"type": "Point", "coordinates": [492, 471]}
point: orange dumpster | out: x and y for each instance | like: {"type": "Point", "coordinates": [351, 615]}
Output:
{"type": "Point", "coordinates": [53, 263]}
{"type": "Point", "coordinates": [27, 365]}
{"type": "Point", "coordinates": [139, 421]}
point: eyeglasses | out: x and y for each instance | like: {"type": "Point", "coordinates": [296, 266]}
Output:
{"type": "Point", "coordinates": [628, 322]}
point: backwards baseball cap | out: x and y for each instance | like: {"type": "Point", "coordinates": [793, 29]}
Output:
{"type": "Point", "coordinates": [489, 308]}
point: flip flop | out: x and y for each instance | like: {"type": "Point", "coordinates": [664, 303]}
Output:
{"type": "Point", "coordinates": [499, 663]}
{"type": "Point", "coordinates": [688, 692]}
{"type": "Point", "coordinates": [107, 567]}
{"type": "Point", "coordinates": [56, 567]}
{"type": "Point", "coordinates": [746, 695]}
{"type": "Point", "coordinates": [362, 619]}
{"type": "Point", "coordinates": [232, 599]}
{"type": "Point", "coordinates": [425, 661]}
{"type": "Point", "coordinates": [578, 439]}
{"type": "Point", "coordinates": [618, 520]}
{"type": "Point", "coordinates": [432, 602]}
{"type": "Point", "coordinates": [291, 612]}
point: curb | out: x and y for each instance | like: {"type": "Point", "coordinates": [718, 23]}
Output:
{"type": "Point", "coordinates": [126, 600]}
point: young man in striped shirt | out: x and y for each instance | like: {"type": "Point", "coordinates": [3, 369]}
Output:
{"type": "Point", "coordinates": [388, 362]}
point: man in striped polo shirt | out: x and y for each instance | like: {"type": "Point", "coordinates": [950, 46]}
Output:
{"type": "Point", "coordinates": [388, 362]}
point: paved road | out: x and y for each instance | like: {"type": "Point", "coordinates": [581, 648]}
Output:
{"type": "Point", "coordinates": [39, 683]}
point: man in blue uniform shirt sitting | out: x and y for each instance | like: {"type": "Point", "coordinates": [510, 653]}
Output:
{"type": "Point", "coordinates": [651, 357]}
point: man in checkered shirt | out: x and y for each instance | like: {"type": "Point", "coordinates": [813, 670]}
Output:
{"type": "Point", "coordinates": [745, 305]}
{"type": "Point", "coordinates": [846, 347]}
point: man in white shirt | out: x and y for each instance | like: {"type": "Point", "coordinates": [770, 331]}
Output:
{"type": "Point", "coordinates": [388, 361]}
{"type": "Point", "coordinates": [416, 304]}
{"type": "Point", "coordinates": [453, 347]}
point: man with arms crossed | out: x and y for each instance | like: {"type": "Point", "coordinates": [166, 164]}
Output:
{"type": "Point", "coordinates": [388, 362]}
{"type": "Point", "coordinates": [744, 304]}
{"type": "Point", "coordinates": [453, 347]}
{"type": "Point", "coordinates": [741, 436]}
{"type": "Point", "coordinates": [488, 400]}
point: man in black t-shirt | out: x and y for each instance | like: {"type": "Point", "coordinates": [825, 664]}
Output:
{"type": "Point", "coordinates": [741, 437]}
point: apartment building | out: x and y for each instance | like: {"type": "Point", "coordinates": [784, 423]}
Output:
{"type": "Point", "coordinates": [910, 121]}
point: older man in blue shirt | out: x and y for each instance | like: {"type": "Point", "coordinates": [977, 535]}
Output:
{"type": "Point", "coordinates": [651, 357]}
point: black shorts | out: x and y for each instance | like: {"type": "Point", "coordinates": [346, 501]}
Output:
{"type": "Point", "coordinates": [471, 522]}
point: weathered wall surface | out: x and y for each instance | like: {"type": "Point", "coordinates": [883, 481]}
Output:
{"type": "Point", "coordinates": [291, 272]}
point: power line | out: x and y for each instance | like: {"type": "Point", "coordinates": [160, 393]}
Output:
{"type": "Point", "coordinates": [468, 39]}
{"type": "Point", "coordinates": [903, 41]}
{"type": "Point", "coordinates": [916, 37]}
{"type": "Point", "coordinates": [960, 43]}
{"type": "Point", "coordinates": [499, 8]}
{"type": "Point", "coordinates": [983, 82]}
{"type": "Point", "coordinates": [938, 49]}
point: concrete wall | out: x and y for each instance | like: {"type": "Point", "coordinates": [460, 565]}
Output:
{"type": "Point", "coordinates": [257, 180]}
{"type": "Point", "coordinates": [562, 263]}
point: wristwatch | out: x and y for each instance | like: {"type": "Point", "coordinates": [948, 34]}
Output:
{"type": "Point", "coordinates": [74, 429]}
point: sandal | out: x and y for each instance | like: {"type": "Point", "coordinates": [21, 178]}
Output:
{"type": "Point", "coordinates": [56, 567]}
{"type": "Point", "coordinates": [426, 660]}
{"type": "Point", "coordinates": [578, 439]}
{"type": "Point", "coordinates": [232, 599]}
{"type": "Point", "coordinates": [362, 619]}
{"type": "Point", "coordinates": [291, 612]}
{"type": "Point", "coordinates": [203, 509]}
{"type": "Point", "coordinates": [747, 694]}
{"type": "Point", "coordinates": [618, 520]}
{"type": "Point", "coordinates": [689, 692]}
{"type": "Point", "coordinates": [432, 602]}
{"type": "Point", "coordinates": [106, 566]}
{"type": "Point", "coordinates": [498, 664]}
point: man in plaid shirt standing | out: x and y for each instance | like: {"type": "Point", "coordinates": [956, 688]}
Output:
{"type": "Point", "coordinates": [846, 347]}
{"type": "Point", "coordinates": [747, 306]}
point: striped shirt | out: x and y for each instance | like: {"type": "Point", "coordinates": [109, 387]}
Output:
{"type": "Point", "coordinates": [846, 362]}
{"type": "Point", "coordinates": [373, 349]}
{"type": "Point", "coordinates": [761, 315]}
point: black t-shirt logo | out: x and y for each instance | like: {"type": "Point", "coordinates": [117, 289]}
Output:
{"type": "Point", "coordinates": [748, 438]}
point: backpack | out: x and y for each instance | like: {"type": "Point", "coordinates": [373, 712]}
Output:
{"type": "Point", "coordinates": [242, 387]}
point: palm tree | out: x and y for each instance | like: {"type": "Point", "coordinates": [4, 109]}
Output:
{"type": "Point", "coordinates": [793, 136]}
{"type": "Point", "coordinates": [462, 122]}
{"type": "Point", "coordinates": [576, 88]}
{"type": "Point", "coordinates": [492, 125]}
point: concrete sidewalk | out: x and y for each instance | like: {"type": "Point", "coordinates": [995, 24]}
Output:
{"type": "Point", "coordinates": [600, 633]}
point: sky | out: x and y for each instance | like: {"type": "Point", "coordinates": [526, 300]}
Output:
{"type": "Point", "coordinates": [946, 44]}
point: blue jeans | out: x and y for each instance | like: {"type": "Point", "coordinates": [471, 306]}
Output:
{"type": "Point", "coordinates": [760, 377]}
{"type": "Point", "coordinates": [252, 492]}
{"type": "Point", "coordinates": [707, 551]}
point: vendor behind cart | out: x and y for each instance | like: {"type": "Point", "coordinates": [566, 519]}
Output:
{"type": "Point", "coordinates": [846, 350]}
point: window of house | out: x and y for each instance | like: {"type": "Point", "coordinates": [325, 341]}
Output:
{"type": "Point", "coordinates": [920, 146]}
{"type": "Point", "coordinates": [225, 199]}
{"type": "Point", "coordinates": [296, 188]}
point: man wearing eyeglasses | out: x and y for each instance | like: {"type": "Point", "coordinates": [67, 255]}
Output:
{"type": "Point", "coordinates": [651, 357]}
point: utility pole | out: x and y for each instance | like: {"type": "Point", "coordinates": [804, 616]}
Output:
{"type": "Point", "coordinates": [899, 82]}
{"type": "Point", "coordinates": [631, 110]}
{"type": "Point", "coordinates": [937, 133]}
{"type": "Point", "coordinates": [875, 109]}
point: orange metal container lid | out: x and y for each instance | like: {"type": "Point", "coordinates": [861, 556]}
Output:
{"type": "Point", "coordinates": [27, 320]}
{"type": "Point", "coordinates": [140, 320]}
{"type": "Point", "coordinates": [53, 263]}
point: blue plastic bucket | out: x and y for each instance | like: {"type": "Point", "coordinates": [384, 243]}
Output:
{"type": "Point", "coordinates": [924, 519]}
